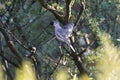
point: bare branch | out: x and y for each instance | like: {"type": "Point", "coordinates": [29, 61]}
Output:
{"type": "Point", "coordinates": [18, 41]}
{"type": "Point", "coordinates": [6, 70]}
{"type": "Point", "coordinates": [37, 66]}
{"type": "Point", "coordinates": [77, 62]}
{"type": "Point", "coordinates": [53, 10]}
{"type": "Point", "coordinates": [69, 4]}
{"type": "Point", "coordinates": [10, 43]}
{"type": "Point", "coordinates": [57, 65]}
{"type": "Point", "coordinates": [80, 13]}
{"type": "Point", "coordinates": [9, 61]}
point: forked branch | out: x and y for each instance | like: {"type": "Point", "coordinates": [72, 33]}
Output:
{"type": "Point", "coordinates": [69, 4]}
{"type": "Point", "coordinates": [53, 10]}
{"type": "Point", "coordinates": [10, 43]}
{"type": "Point", "coordinates": [80, 13]}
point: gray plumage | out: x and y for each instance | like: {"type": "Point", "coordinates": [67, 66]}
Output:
{"type": "Point", "coordinates": [64, 33]}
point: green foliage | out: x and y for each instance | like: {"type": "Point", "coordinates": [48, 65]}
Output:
{"type": "Point", "coordinates": [105, 13]}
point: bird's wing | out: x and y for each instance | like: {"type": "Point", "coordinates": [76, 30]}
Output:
{"type": "Point", "coordinates": [61, 33]}
{"type": "Point", "coordinates": [68, 29]}
{"type": "Point", "coordinates": [68, 26]}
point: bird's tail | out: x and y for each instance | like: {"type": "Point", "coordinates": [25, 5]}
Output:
{"type": "Point", "coordinates": [72, 48]}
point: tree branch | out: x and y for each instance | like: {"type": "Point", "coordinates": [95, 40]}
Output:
{"type": "Point", "coordinates": [37, 66]}
{"type": "Point", "coordinates": [9, 61]}
{"type": "Point", "coordinates": [53, 10]}
{"type": "Point", "coordinates": [10, 43]}
{"type": "Point", "coordinates": [6, 70]}
{"type": "Point", "coordinates": [69, 4]}
{"type": "Point", "coordinates": [77, 62]}
{"type": "Point", "coordinates": [57, 65]}
{"type": "Point", "coordinates": [80, 13]}
{"type": "Point", "coordinates": [67, 16]}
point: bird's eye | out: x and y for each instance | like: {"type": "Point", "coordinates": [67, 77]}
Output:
{"type": "Point", "coordinates": [51, 22]}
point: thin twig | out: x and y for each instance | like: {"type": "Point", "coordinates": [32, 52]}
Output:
{"type": "Point", "coordinates": [83, 51]}
{"type": "Point", "coordinates": [18, 41]}
{"type": "Point", "coordinates": [53, 10]}
{"type": "Point", "coordinates": [50, 40]}
{"type": "Point", "coordinates": [10, 42]}
{"type": "Point", "coordinates": [79, 15]}
{"type": "Point", "coordinates": [6, 70]}
{"type": "Point", "coordinates": [9, 61]}
{"type": "Point", "coordinates": [77, 61]}
{"type": "Point", "coordinates": [69, 4]}
{"type": "Point", "coordinates": [57, 65]}
{"type": "Point", "coordinates": [36, 62]}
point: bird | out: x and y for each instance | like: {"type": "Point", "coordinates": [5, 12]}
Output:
{"type": "Point", "coordinates": [63, 34]}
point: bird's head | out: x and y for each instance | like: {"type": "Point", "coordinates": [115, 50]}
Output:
{"type": "Point", "coordinates": [54, 23]}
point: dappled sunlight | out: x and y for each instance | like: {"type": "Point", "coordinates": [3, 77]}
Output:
{"type": "Point", "coordinates": [85, 77]}
{"type": "Point", "coordinates": [1, 72]}
{"type": "Point", "coordinates": [61, 74]}
{"type": "Point", "coordinates": [26, 72]}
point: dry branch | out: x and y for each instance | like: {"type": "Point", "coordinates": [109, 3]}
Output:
{"type": "Point", "coordinates": [52, 10]}
{"type": "Point", "coordinates": [67, 16]}
{"type": "Point", "coordinates": [10, 43]}
{"type": "Point", "coordinates": [6, 70]}
{"type": "Point", "coordinates": [80, 13]}
{"type": "Point", "coordinates": [69, 4]}
{"type": "Point", "coordinates": [9, 61]}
